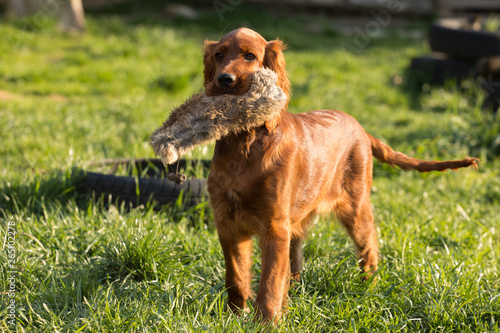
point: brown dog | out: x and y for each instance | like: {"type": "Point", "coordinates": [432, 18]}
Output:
{"type": "Point", "coordinates": [272, 180]}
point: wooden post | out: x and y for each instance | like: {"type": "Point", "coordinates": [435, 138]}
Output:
{"type": "Point", "coordinates": [69, 12]}
{"type": "Point", "coordinates": [72, 16]}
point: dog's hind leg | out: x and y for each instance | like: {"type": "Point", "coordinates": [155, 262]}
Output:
{"type": "Point", "coordinates": [354, 211]}
{"type": "Point", "coordinates": [296, 258]}
{"type": "Point", "coordinates": [361, 228]}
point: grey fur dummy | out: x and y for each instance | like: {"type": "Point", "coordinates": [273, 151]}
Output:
{"type": "Point", "coordinates": [203, 119]}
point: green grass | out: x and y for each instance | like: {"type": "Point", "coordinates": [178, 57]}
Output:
{"type": "Point", "coordinates": [88, 267]}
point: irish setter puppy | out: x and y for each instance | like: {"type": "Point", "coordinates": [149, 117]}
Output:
{"type": "Point", "coordinates": [272, 180]}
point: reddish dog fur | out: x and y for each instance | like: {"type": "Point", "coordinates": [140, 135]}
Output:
{"type": "Point", "coordinates": [272, 180]}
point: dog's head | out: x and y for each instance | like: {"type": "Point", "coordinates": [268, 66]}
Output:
{"type": "Point", "coordinates": [230, 62]}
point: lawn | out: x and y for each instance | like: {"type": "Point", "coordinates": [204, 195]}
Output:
{"type": "Point", "coordinates": [85, 266]}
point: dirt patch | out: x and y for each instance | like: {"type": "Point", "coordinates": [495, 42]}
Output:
{"type": "Point", "coordinates": [57, 97]}
{"type": "Point", "coordinates": [7, 96]}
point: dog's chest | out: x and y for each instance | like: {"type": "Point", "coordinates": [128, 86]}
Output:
{"type": "Point", "coordinates": [234, 196]}
{"type": "Point", "coordinates": [234, 181]}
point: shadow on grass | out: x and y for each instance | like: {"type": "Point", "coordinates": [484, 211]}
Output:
{"type": "Point", "coordinates": [40, 192]}
{"type": "Point", "coordinates": [483, 133]}
{"type": "Point", "coordinates": [57, 188]}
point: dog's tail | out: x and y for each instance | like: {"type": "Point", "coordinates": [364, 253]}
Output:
{"type": "Point", "coordinates": [385, 154]}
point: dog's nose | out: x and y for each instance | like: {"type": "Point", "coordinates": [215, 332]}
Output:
{"type": "Point", "coordinates": [226, 79]}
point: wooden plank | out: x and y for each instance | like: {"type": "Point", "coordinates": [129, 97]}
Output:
{"type": "Point", "coordinates": [471, 4]}
{"type": "Point", "coordinates": [402, 6]}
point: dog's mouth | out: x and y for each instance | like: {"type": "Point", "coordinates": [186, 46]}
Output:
{"type": "Point", "coordinates": [227, 90]}
{"type": "Point", "coordinates": [239, 87]}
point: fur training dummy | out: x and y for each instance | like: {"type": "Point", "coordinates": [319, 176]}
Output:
{"type": "Point", "coordinates": [203, 119]}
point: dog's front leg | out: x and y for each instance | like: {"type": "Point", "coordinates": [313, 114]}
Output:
{"type": "Point", "coordinates": [274, 281]}
{"type": "Point", "coordinates": [237, 248]}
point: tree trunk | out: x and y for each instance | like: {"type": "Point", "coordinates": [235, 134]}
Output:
{"type": "Point", "coordinates": [72, 16]}
{"type": "Point", "coordinates": [70, 12]}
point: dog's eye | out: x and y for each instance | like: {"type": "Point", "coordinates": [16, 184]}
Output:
{"type": "Point", "coordinates": [218, 56]}
{"type": "Point", "coordinates": [250, 56]}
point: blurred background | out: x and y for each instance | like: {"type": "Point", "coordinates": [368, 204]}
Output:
{"type": "Point", "coordinates": [86, 81]}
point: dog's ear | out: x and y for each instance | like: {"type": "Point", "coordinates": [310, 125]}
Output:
{"type": "Point", "coordinates": [275, 60]}
{"type": "Point", "coordinates": [209, 62]}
